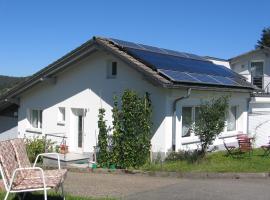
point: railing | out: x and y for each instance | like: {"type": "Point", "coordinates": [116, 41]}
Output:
{"type": "Point", "coordinates": [62, 143]}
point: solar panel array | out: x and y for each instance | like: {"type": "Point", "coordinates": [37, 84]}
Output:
{"type": "Point", "coordinates": [182, 67]}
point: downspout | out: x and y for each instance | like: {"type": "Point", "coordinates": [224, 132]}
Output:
{"type": "Point", "coordinates": [174, 116]}
{"type": "Point", "coordinates": [248, 112]}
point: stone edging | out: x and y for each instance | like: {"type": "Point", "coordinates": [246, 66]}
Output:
{"type": "Point", "coordinates": [188, 175]}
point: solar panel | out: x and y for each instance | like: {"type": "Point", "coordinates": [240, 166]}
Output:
{"type": "Point", "coordinates": [156, 49]}
{"type": "Point", "coordinates": [177, 76]}
{"type": "Point", "coordinates": [205, 78]}
{"type": "Point", "coordinates": [162, 61]}
{"type": "Point", "coordinates": [182, 67]}
{"type": "Point", "coordinates": [126, 44]}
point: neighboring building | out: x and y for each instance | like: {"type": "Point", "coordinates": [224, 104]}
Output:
{"type": "Point", "coordinates": [255, 66]}
{"type": "Point", "coordinates": [64, 97]}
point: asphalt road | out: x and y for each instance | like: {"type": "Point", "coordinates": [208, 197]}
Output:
{"type": "Point", "coordinates": [158, 188]}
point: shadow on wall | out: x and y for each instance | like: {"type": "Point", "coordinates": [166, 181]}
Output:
{"type": "Point", "coordinates": [8, 127]}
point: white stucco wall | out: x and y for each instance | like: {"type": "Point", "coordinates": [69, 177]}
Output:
{"type": "Point", "coordinates": [196, 98]}
{"type": "Point", "coordinates": [86, 86]}
{"type": "Point", "coordinates": [242, 65]}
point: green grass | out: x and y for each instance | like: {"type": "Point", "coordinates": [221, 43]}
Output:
{"type": "Point", "coordinates": [218, 162]}
{"type": "Point", "coordinates": [51, 196]}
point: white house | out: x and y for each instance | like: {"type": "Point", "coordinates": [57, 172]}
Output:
{"type": "Point", "coordinates": [255, 67]}
{"type": "Point", "coordinates": [64, 97]}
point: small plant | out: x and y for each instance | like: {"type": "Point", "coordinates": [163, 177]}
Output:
{"type": "Point", "coordinates": [36, 145]}
{"type": "Point", "coordinates": [189, 156]}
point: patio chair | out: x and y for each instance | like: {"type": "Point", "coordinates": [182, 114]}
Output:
{"type": "Point", "coordinates": [18, 175]}
{"type": "Point", "coordinates": [244, 142]}
{"type": "Point", "coordinates": [229, 148]}
{"type": "Point", "coordinates": [266, 148]}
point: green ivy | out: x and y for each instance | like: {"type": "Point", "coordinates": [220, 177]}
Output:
{"type": "Point", "coordinates": [132, 127]}
{"type": "Point", "coordinates": [103, 154]}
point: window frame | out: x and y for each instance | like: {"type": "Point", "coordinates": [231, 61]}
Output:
{"type": "Point", "coordinates": [61, 116]}
{"type": "Point", "coordinates": [112, 69]}
{"type": "Point", "coordinates": [39, 118]}
{"type": "Point", "coordinates": [193, 121]}
{"type": "Point", "coordinates": [263, 71]}
{"type": "Point", "coordinates": [194, 137]}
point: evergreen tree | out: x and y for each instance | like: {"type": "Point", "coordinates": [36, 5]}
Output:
{"type": "Point", "coordinates": [265, 39]}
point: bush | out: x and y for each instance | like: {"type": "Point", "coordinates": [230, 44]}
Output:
{"type": "Point", "coordinates": [131, 130]}
{"type": "Point", "coordinates": [35, 146]}
{"type": "Point", "coordinates": [103, 155]}
{"type": "Point", "coordinates": [211, 121]}
{"type": "Point", "coordinates": [189, 156]}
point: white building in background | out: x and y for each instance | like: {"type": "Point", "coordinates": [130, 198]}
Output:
{"type": "Point", "coordinates": [219, 61]}
{"type": "Point", "coordinates": [64, 97]}
{"type": "Point", "coordinates": [255, 66]}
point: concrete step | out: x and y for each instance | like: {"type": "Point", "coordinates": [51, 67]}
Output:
{"type": "Point", "coordinates": [67, 159]}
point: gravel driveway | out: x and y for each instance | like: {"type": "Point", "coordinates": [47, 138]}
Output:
{"type": "Point", "coordinates": [143, 187]}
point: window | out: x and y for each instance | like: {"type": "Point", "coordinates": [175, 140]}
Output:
{"type": "Point", "coordinates": [112, 70]}
{"type": "Point", "coordinates": [61, 115]}
{"type": "Point", "coordinates": [35, 118]}
{"type": "Point", "coordinates": [257, 73]}
{"type": "Point", "coordinates": [189, 115]}
{"type": "Point", "coordinates": [186, 121]}
{"type": "Point", "coordinates": [232, 117]}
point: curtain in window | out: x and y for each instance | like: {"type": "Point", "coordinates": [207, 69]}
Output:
{"type": "Point", "coordinates": [231, 126]}
{"type": "Point", "coordinates": [186, 121]}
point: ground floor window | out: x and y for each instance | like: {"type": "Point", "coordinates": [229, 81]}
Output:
{"type": "Point", "coordinates": [35, 118]}
{"type": "Point", "coordinates": [189, 117]}
{"type": "Point", "coordinates": [190, 114]}
{"type": "Point", "coordinates": [232, 118]}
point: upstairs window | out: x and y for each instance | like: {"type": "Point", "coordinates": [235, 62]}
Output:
{"type": "Point", "coordinates": [35, 118]}
{"type": "Point", "coordinates": [112, 69]}
{"type": "Point", "coordinates": [257, 73]}
{"type": "Point", "coordinates": [61, 115]}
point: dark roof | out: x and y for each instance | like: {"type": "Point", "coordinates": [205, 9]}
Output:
{"type": "Point", "coordinates": [163, 67]}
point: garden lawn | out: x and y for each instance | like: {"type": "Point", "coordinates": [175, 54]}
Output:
{"type": "Point", "coordinates": [51, 196]}
{"type": "Point", "coordinates": [218, 162]}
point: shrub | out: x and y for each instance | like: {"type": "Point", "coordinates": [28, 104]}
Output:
{"type": "Point", "coordinates": [35, 146]}
{"type": "Point", "coordinates": [103, 156]}
{"type": "Point", "coordinates": [189, 156]}
{"type": "Point", "coordinates": [132, 127]}
{"type": "Point", "coordinates": [211, 121]}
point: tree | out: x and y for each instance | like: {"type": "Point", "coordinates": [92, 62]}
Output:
{"type": "Point", "coordinates": [211, 121]}
{"type": "Point", "coordinates": [132, 127]}
{"type": "Point", "coordinates": [103, 154]}
{"type": "Point", "coordinates": [265, 39]}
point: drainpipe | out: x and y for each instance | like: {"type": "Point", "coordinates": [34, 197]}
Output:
{"type": "Point", "coordinates": [174, 117]}
{"type": "Point", "coordinates": [248, 112]}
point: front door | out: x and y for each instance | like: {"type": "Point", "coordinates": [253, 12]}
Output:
{"type": "Point", "coordinates": [77, 130]}
{"type": "Point", "coordinates": [80, 133]}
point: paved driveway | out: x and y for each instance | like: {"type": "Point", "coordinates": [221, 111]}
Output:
{"type": "Point", "coordinates": [143, 187]}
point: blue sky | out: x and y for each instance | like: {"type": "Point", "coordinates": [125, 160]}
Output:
{"type": "Point", "coordinates": [35, 33]}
